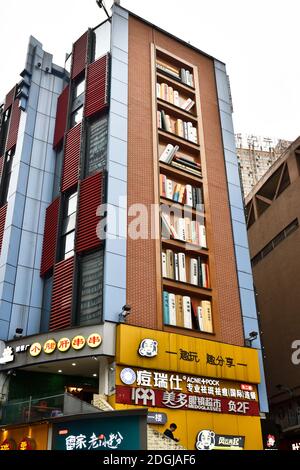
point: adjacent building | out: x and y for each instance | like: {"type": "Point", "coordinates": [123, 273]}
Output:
{"type": "Point", "coordinates": [125, 268]}
{"type": "Point", "coordinates": [256, 155]}
{"type": "Point", "coordinates": [273, 223]}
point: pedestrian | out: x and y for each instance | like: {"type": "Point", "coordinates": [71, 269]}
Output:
{"type": "Point", "coordinates": [169, 432]}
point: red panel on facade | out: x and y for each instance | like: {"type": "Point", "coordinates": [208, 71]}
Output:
{"type": "Point", "coordinates": [50, 237]}
{"type": "Point", "coordinates": [61, 307]}
{"type": "Point", "coordinates": [91, 191]}
{"type": "Point", "coordinates": [9, 99]}
{"type": "Point", "coordinates": [72, 157]}
{"type": "Point", "coordinates": [14, 125]}
{"type": "Point", "coordinates": [2, 223]}
{"type": "Point", "coordinates": [97, 86]}
{"type": "Point", "coordinates": [61, 117]}
{"type": "Point", "coordinates": [79, 55]}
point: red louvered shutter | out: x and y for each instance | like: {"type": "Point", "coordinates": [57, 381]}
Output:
{"type": "Point", "coordinates": [91, 191]}
{"type": "Point", "coordinates": [61, 308]}
{"type": "Point", "coordinates": [50, 237]}
{"type": "Point", "coordinates": [79, 55]}
{"type": "Point", "coordinates": [9, 99]}
{"type": "Point", "coordinates": [2, 223]}
{"type": "Point", "coordinates": [72, 157]}
{"type": "Point", "coordinates": [61, 117]}
{"type": "Point", "coordinates": [14, 125]}
{"type": "Point", "coordinates": [97, 86]}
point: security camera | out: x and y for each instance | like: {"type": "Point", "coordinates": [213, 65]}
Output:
{"type": "Point", "coordinates": [126, 308]}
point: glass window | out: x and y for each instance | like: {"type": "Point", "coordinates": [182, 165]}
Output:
{"type": "Point", "coordinates": [76, 116]}
{"type": "Point", "coordinates": [68, 226]}
{"type": "Point", "coordinates": [68, 62]}
{"type": "Point", "coordinates": [79, 88]}
{"type": "Point", "coordinates": [102, 39]}
{"type": "Point", "coordinates": [97, 146]}
{"type": "Point", "coordinates": [57, 175]}
{"type": "Point", "coordinates": [90, 294]}
{"type": "Point", "coordinates": [6, 176]}
{"type": "Point", "coordinates": [46, 309]}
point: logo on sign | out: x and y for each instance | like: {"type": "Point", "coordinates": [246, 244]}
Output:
{"type": "Point", "coordinates": [206, 440]}
{"type": "Point", "coordinates": [7, 355]}
{"type": "Point", "coordinates": [148, 348]}
{"type": "Point", "coordinates": [128, 376]}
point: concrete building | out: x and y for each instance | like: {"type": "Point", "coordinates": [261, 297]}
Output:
{"type": "Point", "coordinates": [273, 222]}
{"type": "Point", "coordinates": [94, 299]}
{"type": "Point", "coordinates": [256, 155]}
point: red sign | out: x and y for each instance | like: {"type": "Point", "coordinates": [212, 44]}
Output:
{"type": "Point", "coordinates": [247, 388]}
{"type": "Point", "coordinates": [8, 444]}
{"type": "Point", "coordinates": [175, 400]}
{"type": "Point", "coordinates": [27, 444]}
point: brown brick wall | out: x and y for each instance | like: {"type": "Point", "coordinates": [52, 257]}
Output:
{"type": "Point", "coordinates": [141, 268]}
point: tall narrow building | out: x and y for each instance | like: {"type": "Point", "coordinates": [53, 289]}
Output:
{"type": "Point", "coordinates": [125, 269]}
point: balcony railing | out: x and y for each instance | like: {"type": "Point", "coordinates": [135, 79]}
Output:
{"type": "Point", "coordinates": [39, 409]}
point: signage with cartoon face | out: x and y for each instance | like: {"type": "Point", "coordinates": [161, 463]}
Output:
{"type": "Point", "coordinates": [148, 348]}
{"type": "Point", "coordinates": [209, 440]}
{"type": "Point", "coordinates": [206, 440]}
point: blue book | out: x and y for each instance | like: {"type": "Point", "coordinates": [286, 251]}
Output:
{"type": "Point", "coordinates": [166, 308]}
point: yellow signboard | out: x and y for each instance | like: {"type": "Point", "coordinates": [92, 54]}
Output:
{"type": "Point", "coordinates": [140, 347]}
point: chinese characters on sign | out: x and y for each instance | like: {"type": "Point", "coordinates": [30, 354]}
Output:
{"type": "Point", "coordinates": [94, 442]}
{"type": "Point", "coordinates": [188, 356]}
{"type": "Point", "coordinates": [64, 344]}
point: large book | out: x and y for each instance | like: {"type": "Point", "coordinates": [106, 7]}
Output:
{"type": "Point", "coordinates": [159, 120]}
{"type": "Point", "coordinates": [158, 88]}
{"type": "Point", "coordinates": [200, 277]}
{"type": "Point", "coordinates": [169, 189]}
{"type": "Point", "coordinates": [181, 229]}
{"type": "Point", "coordinates": [188, 104]}
{"type": "Point", "coordinates": [202, 235]}
{"type": "Point", "coordinates": [182, 266]}
{"type": "Point", "coordinates": [176, 266]}
{"type": "Point", "coordinates": [207, 316]}
{"type": "Point", "coordinates": [194, 272]}
{"type": "Point", "coordinates": [203, 271]}
{"type": "Point", "coordinates": [187, 312]}
{"type": "Point", "coordinates": [179, 311]}
{"type": "Point", "coordinates": [170, 264]}
{"type": "Point", "coordinates": [164, 264]}
{"type": "Point", "coordinates": [188, 230]}
{"type": "Point", "coordinates": [179, 127]}
{"type": "Point", "coordinates": [166, 224]}
{"type": "Point", "coordinates": [165, 156]}
{"type": "Point", "coordinates": [166, 308]}
{"type": "Point", "coordinates": [188, 169]}
{"type": "Point", "coordinates": [184, 162]}
{"type": "Point", "coordinates": [163, 120]}
{"type": "Point", "coordinates": [162, 181]}
{"type": "Point", "coordinates": [172, 309]}
{"type": "Point", "coordinates": [176, 98]}
{"type": "Point", "coordinates": [200, 318]}
{"type": "Point", "coordinates": [189, 195]}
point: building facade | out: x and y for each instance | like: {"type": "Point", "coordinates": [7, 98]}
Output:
{"type": "Point", "coordinates": [273, 222]}
{"type": "Point", "coordinates": [256, 155]}
{"type": "Point", "coordinates": [143, 225]}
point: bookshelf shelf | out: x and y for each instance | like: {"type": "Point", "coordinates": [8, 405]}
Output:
{"type": "Point", "coordinates": [175, 139]}
{"type": "Point", "coordinates": [170, 202]}
{"type": "Point", "coordinates": [187, 331]}
{"type": "Point", "coordinates": [176, 110]}
{"type": "Point", "coordinates": [163, 77]}
{"type": "Point", "coordinates": [176, 172]}
{"type": "Point", "coordinates": [187, 247]}
{"type": "Point", "coordinates": [187, 289]}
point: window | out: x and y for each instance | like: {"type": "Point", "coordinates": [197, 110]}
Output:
{"type": "Point", "coordinates": [7, 171]}
{"type": "Point", "coordinates": [46, 309]}
{"type": "Point", "coordinates": [78, 100]}
{"type": "Point", "coordinates": [102, 39]}
{"type": "Point", "coordinates": [4, 129]}
{"type": "Point", "coordinates": [79, 89]}
{"type": "Point", "coordinates": [96, 146]}
{"type": "Point", "coordinates": [69, 224]}
{"type": "Point", "coordinates": [76, 116]}
{"type": "Point", "coordinates": [90, 289]}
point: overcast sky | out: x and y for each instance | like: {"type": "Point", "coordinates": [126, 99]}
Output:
{"type": "Point", "coordinates": [257, 39]}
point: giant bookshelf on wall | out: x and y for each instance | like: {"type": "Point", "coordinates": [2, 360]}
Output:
{"type": "Point", "coordinates": [183, 256]}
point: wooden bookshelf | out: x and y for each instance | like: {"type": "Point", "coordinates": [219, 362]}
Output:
{"type": "Point", "coordinates": [191, 151]}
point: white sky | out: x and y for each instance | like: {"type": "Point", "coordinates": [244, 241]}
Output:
{"type": "Point", "coordinates": [257, 39]}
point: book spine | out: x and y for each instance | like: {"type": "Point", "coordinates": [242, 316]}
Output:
{"type": "Point", "coordinates": [199, 266]}
{"type": "Point", "coordinates": [203, 271]}
{"type": "Point", "coordinates": [179, 311]}
{"type": "Point", "coordinates": [166, 308]}
{"type": "Point", "coordinates": [187, 312]}
{"type": "Point", "coordinates": [200, 318]}
{"type": "Point", "coordinates": [172, 309]}
{"type": "Point", "coordinates": [158, 90]}
{"type": "Point", "coordinates": [189, 195]}
{"type": "Point", "coordinates": [176, 265]}
{"type": "Point", "coordinates": [181, 229]}
{"type": "Point", "coordinates": [202, 236]}
{"type": "Point", "coordinates": [182, 267]}
{"type": "Point", "coordinates": [169, 189]}
{"type": "Point", "coordinates": [166, 153]}
{"type": "Point", "coordinates": [207, 316]}
{"type": "Point", "coordinates": [176, 98]}
{"type": "Point", "coordinates": [181, 166]}
{"type": "Point", "coordinates": [188, 230]}
{"type": "Point", "coordinates": [163, 120]}
{"type": "Point", "coordinates": [159, 120]}
{"type": "Point", "coordinates": [194, 272]}
{"type": "Point", "coordinates": [194, 197]}
{"type": "Point", "coordinates": [181, 193]}
{"type": "Point", "coordinates": [164, 264]}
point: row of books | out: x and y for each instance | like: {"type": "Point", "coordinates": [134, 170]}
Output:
{"type": "Point", "coordinates": [185, 76]}
{"type": "Point", "coordinates": [179, 267]}
{"type": "Point", "coordinates": [182, 193]}
{"type": "Point", "coordinates": [183, 129]}
{"type": "Point", "coordinates": [182, 311]}
{"type": "Point", "coordinates": [167, 93]}
{"type": "Point", "coordinates": [182, 162]}
{"type": "Point", "coordinates": [183, 229]}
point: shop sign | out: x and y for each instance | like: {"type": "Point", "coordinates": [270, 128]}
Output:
{"type": "Point", "coordinates": [94, 340]}
{"type": "Point", "coordinates": [27, 444]}
{"type": "Point", "coordinates": [208, 440]}
{"type": "Point", "coordinates": [148, 348]}
{"type": "Point", "coordinates": [78, 343]}
{"type": "Point", "coordinates": [8, 444]}
{"type": "Point", "coordinates": [296, 446]}
{"type": "Point", "coordinates": [64, 344]}
{"type": "Point", "coordinates": [35, 349]}
{"type": "Point", "coordinates": [185, 392]}
{"type": "Point", "coordinates": [157, 418]}
{"type": "Point", "coordinates": [7, 355]}
{"type": "Point", "coordinates": [49, 347]}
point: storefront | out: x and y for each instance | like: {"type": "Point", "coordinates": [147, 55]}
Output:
{"type": "Point", "coordinates": [33, 437]}
{"type": "Point", "coordinates": [208, 389]}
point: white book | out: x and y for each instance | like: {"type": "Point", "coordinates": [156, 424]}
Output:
{"type": "Point", "coordinates": [204, 278]}
{"type": "Point", "coordinates": [194, 271]}
{"type": "Point", "coordinates": [189, 195]}
{"type": "Point", "coordinates": [207, 316]}
{"type": "Point", "coordinates": [169, 189]}
{"type": "Point", "coordinates": [172, 309]}
{"type": "Point", "coordinates": [194, 135]}
{"type": "Point", "coordinates": [158, 90]}
{"type": "Point", "coordinates": [176, 264]}
{"type": "Point", "coordinates": [200, 317]}
{"type": "Point", "coordinates": [190, 131]}
{"type": "Point", "coordinates": [188, 104]}
{"type": "Point", "coordinates": [181, 229]}
{"type": "Point", "coordinates": [193, 232]}
{"type": "Point", "coordinates": [182, 267]}
{"type": "Point", "coordinates": [185, 130]}
{"type": "Point", "coordinates": [176, 97]}
{"type": "Point", "coordinates": [187, 312]}
{"type": "Point", "coordinates": [166, 153]}
{"type": "Point", "coordinates": [164, 264]}
{"type": "Point", "coordinates": [202, 236]}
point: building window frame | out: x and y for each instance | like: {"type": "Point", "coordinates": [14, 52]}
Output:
{"type": "Point", "coordinates": [6, 176]}
{"type": "Point", "coordinates": [68, 227]}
